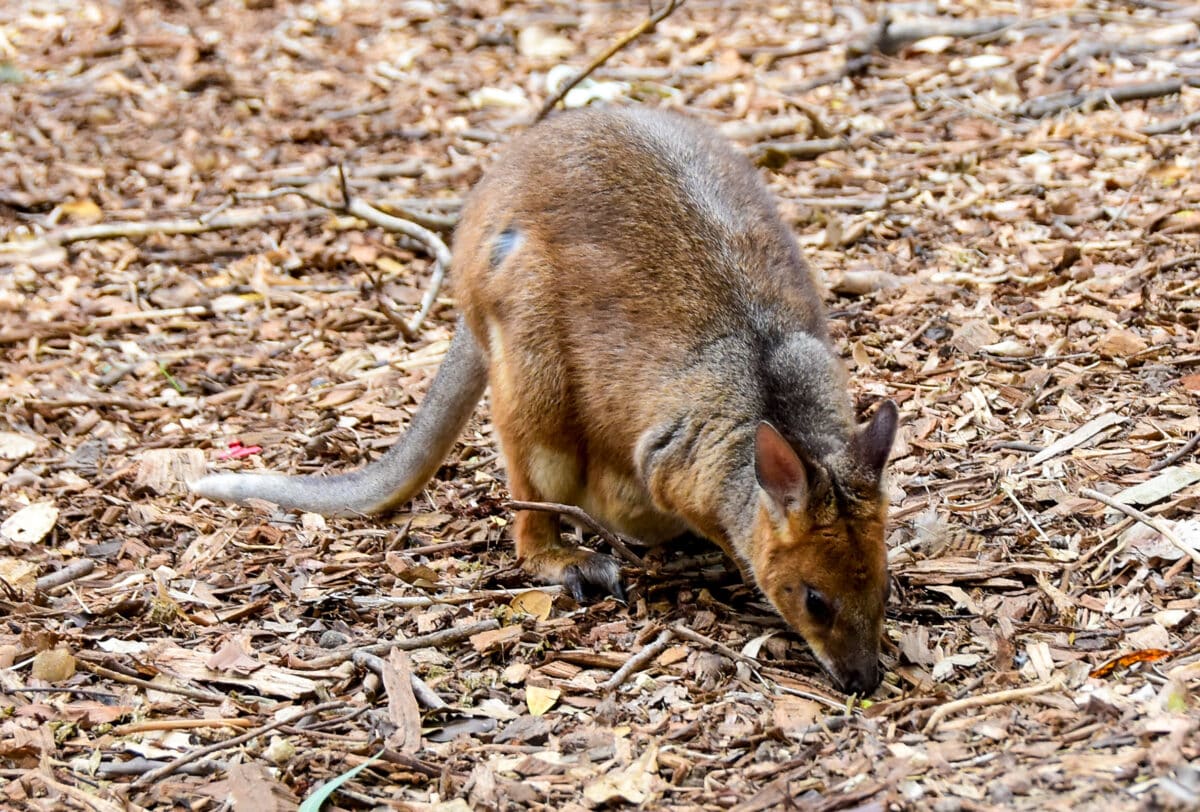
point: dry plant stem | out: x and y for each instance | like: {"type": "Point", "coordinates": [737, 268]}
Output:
{"type": "Point", "coordinates": [1144, 518]}
{"type": "Point", "coordinates": [433, 640]}
{"type": "Point", "coordinates": [580, 515]}
{"type": "Point", "coordinates": [365, 211]}
{"type": "Point", "coordinates": [108, 231]}
{"type": "Point", "coordinates": [798, 149]}
{"type": "Point", "coordinates": [86, 799]}
{"type": "Point", "coordinates": [1188, 448]}
{"type": "Point", "coordinates": [1175, 125]}
{"type": "Point", "coordinates": [191, 693]}
{"type": "Point", "coordinates": [755, 666]}
{"type": "Point", "coordinates": [889, 38]}
{"type": "Point", "coordinates": [983, 700]}
{"type": "Point", "coordinates": [76, 569]}
{"type": "Point", "coordinates": [644, 27]}
{"type": "Point", "coordinates": [421, 690]}
{"type": "Point", "coordinates": [1048, 105]}
{"type": "Point", "coordinates": [177, 724]}
{"type": "Point", "coordinates": [196, 755]}
{"type": "Point", "coordinates": [708, 642]}
{"type": "Point", "coordinates": [638, 661]}
{"type": "Point", "coordinates": [141, 766]}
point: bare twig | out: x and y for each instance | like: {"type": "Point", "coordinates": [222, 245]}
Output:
{"type": "Point", "coordinates": [983, 700]}
{"type": "Point", "coordinates": [191, 693]}
{"type": "Point", "coordinates": [1145, 519]}
{"type": "Point", "coordinates": [638, 661]}
{"type": "Point", "coordinates": [433, 640]}
{"type": "Point", "coordinates": [890, 38]}
{"type": "Point", "coordinates": [421, 690]}
{"type": "Point", "coordinates": [195, 755]}
{"type": "Point", "coordinates": [771, 152]}
{"type": "Point", "coordinates": [177, 724]}
{"type": "Point", "coordinates": [365, 211]}
{"type": "Point", "coordinates": [1174, 125]}
{"type": "Point", "coordinates": [1188, 448]}
{"type": "Point", "coordinates": [108, 231]}
{"type": "Point", "coordinates": [1048, 105]}
{"type": "Point", "coordinates": [580, 515]}
{"type": "Point", "coordinates": [76, 569]}
{"type": "Point", "coordinates": [93, 799]}
{"type": "Point", "coordinates": [644, 27]}
{"type": "Point", "coordinates": [141, 766]}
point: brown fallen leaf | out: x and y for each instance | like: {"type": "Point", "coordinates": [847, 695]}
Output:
{"type": "Point", "coordinates": [489, 641]}
{"type": "Point", "coordinates": [403, 709]}
{"type": "Point", "coordinates": [54, 665]}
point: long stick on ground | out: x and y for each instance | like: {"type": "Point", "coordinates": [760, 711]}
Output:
{"type": "Point", "coordinates": [645, 26]}
{"type": "Point", "coordinates": [365, 211]}
{"type": "Point", "coordinates": [580, 515]}
{"type": "Point", "coordinates": [188, 758]}
{"type": "Point", "coordinates": [444, 637]}
{"type": "Point", "coordinates": [146, 228]}
{"type": "Point", "coordinates": [1043, 106]}
{"type": "Point", "coordinates": [983, 700]}
{"type": "Point", "coordinates": [638, 661]}
{"type": "Point", "coordinates": [1144, 518]}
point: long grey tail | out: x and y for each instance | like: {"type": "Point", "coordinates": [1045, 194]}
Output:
{"type": "Point", "coordinates": [395, 477]}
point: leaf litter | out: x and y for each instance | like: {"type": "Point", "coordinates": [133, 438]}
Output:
{"type": "Point", "coordinates": [1002, 200]}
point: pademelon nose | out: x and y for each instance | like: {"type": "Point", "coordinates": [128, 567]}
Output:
{"type": "Point", "coordinates": [861, 681]}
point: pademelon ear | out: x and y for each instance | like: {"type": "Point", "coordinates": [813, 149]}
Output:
{"type": "Point", "coordinates": [780, 471]}
{"type": "Point", "coordinates": [873, 440]}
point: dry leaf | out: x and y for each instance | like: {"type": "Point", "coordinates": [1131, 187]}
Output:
{"type": "Point", "coordinates": [630, 785]}
{"type": "Point", "coordinates": [1120, 344]}
{"type": "Point", "coordinates": [539, 700]}
{"type": "Point", "coordinates": [30, 524]}
{"type": "Point", "coordinates": [403, 709]}
{"type": "Point", "coordinates": [54, 665]}
{"type": "Point", "coordinates": [534, 602]}
{"type": "Point", "coordinates": [15, 446]}
{"type": "Point", "coordinates": [19, 575]}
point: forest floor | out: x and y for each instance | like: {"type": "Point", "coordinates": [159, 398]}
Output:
{"type": "Point", "coordinates": [1003, 200]}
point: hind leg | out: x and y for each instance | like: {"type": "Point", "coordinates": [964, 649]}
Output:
{"type": "Point", "coordinates": [543, 553]}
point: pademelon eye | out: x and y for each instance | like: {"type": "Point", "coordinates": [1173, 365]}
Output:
{"type": "Point", "coordinates": [818, 606]}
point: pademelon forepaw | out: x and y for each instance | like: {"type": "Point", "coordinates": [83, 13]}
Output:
{"type": "Point", "coordinates": [585, 574]}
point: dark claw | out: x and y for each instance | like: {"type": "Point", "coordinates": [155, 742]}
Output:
{"type": "Point", "coordinates": [573, 581]}
{"type": "Point", "coordinates": [599, 575]}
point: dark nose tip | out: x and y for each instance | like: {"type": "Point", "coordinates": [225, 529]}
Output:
{"type": "Point", "coordinates": [862, 681]}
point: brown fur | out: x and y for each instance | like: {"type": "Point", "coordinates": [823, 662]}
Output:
{"type": "Point", "coordinates": [658, 354]}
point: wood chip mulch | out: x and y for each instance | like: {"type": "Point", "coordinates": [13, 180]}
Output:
{"type": "Point", "coordinates": [1004, 201]}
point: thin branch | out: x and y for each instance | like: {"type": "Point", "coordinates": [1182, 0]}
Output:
{"type": "Point", "coordinates": [147, 228]}
{"type": "Point", "coordinates": [775, 153]}
{"type": "Point", "coordinates": [1188, 448]}
{"type": "Point", "coordinates": [580, 515]}
{"type": "Point", "coordinates": [191, 693]}
{"type": "Point", "coordinates": [76, 569]}
{"type": "Point", "coordinates": [638, 661]}
{"type": "Point", "coordinates": [1048, 105]}
{"type": "Point", "coordinates": [421, 690]}
{"type": "Point", "coordinates": [644, 27]}
{"type": "Point", "coordinates": [1174, 125]}
{"type": "Point", "coordinates": [196, 755]}
{"type": "Point", "coordinates": [1144, 518]}
{"type": "Point", "coordinates": [890, 38]}
{"type": "Point", "coordinates": [365, 211]}
{"type": "Point", "coordinates": [983, 700]}
{"type": "Point", "coordinates": [432, 640]}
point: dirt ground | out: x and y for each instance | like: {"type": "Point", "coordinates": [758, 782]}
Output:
{"type": "Point", "coordinates": [1004, 201]}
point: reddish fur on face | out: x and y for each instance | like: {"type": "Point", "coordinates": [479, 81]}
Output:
{"type": "Point", "coordinates": [846, 561]}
